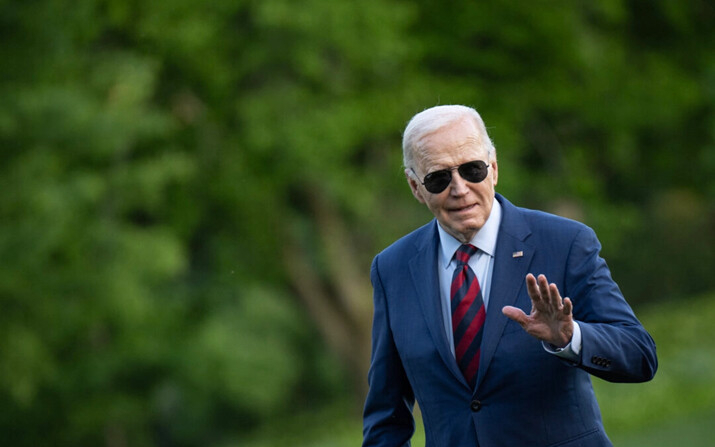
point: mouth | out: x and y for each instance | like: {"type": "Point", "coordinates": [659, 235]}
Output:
{"type": "Point", "coordinates": [463, 209]}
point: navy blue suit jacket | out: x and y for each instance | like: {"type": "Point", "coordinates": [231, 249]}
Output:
{"type": "Point", "coordinates": [524, 395]}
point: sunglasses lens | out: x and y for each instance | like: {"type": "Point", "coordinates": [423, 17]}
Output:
{"type": "Point", "coordinates": [436, 182]}
{"type": "Point", "coordinates": [474, 171]}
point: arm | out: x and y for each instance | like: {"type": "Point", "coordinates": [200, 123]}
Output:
{"type": "Point", "coordinates": [387, 417]}
{"type": "Point", "coordinates": [614, 345]}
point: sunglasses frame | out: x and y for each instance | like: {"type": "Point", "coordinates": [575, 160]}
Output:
{"type": "Point", "coordinates": [449, 171]}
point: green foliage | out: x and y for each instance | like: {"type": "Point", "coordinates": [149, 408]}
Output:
{"type": "Point", "coordinates": [682, 387]}
{"type": "Point", "coordinates": [163, 165]}
{"type": "Point", "coordinates": [599, 112]}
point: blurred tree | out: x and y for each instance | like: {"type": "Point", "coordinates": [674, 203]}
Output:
{"type": "Point", "coordinates": [602, 112]}
{"type": "Point", "coordinates": [162, 167]}
{"type": "Point", "coordinates": [193, 192]}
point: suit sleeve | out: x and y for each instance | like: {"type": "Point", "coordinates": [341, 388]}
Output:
{"type": "Point", "coordinates": [387, 416]}
{"type": "Point", "coordinates": [615, 346]}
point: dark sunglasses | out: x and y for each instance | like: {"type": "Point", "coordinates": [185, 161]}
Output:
{"type": "Point", "coordinates": [473, 171]}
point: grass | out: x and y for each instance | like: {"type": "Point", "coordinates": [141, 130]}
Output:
{"type": "Point", "coordinates": [696, 430]}
{"type": "Point", "coordinates": [684, 386]}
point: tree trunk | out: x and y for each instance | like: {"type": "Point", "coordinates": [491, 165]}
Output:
{"type": "Point", "coordinates": [338, 296]}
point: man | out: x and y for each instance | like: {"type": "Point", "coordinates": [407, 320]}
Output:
{"type": "Point", "coordinates": [469, 318]}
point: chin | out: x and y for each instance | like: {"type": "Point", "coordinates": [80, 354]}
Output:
{"type": "Point", "coordinates": [469, 231]}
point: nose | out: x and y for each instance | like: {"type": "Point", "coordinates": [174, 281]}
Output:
{"type": "Point", "coordinates": [458, 186]}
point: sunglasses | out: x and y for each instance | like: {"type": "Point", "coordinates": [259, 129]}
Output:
{"type": "Point", "coordinates": [473, 171]}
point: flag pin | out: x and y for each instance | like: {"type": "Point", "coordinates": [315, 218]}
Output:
{"type": "Point", "coordinates": [517, 254]}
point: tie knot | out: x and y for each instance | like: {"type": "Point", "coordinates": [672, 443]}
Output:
{"type": "Point", "coordinates": [464, 252]}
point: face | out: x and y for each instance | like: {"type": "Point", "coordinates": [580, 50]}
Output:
{"type": "Point", "coordinates": [462, 208]}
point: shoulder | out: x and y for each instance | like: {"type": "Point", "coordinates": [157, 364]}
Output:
{"type": "Point", "coordinates": [541, 223]}
{"type": "Point", "coordinates": [412, 241]}
{"type": "Point", "coordinates": [545, 228]}
{"type": "Point", "coordinates": [406, 247]}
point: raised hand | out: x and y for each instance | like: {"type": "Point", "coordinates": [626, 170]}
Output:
{"type": "Point", "coordinates": [550, 319]}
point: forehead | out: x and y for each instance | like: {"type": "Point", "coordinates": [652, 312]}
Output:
{"type": "Point", "coordinates": [451, 145]}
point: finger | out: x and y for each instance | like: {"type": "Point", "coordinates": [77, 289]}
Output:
{"type": "Point", "coordinates": [555, 297]}
{"type": "Point", "coordinates": [568, 306]}
{"type": "Point", "coordinates": [542, 292]}
{"type": "Point", "coordinates": [532, 288]}
{"type": "Point", "coordinates": [544, 288]}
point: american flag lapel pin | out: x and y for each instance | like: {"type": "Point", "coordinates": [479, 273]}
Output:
{"type": "Point", "coordinates": [517, 254]}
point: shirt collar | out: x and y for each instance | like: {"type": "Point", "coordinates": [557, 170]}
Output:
{"type": "Point", "coordinates": [485, 239]}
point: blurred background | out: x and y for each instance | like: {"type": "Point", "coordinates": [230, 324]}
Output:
{"type": "Point", "coordinates": [191, 194]}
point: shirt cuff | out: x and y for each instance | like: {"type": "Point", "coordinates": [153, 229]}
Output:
{"type": "Point", "coordinates": [571, 351]}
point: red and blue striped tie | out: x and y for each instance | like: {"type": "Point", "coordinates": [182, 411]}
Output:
{"type": "Point", "coordinates": [468, 314]}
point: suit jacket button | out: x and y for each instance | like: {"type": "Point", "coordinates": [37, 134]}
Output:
{"type": "Point", "coordinates": [475, 405]}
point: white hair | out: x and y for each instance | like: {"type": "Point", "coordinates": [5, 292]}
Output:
{"type": "Point", "coordinates": [431, 120]}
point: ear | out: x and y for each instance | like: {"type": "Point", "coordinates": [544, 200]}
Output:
{"type": "Point", "coordinates": [414, 186]}
{"type": "Point", "coordinates": [495, 172]}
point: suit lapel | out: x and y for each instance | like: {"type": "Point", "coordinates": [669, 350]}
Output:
{"type": "Point", "coordinates": [426, 283]}
{"type": "Point", "coordinates": [511, 264]}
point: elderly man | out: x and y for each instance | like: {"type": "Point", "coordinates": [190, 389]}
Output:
{"type": "Point", "coordinates": [492, 317]}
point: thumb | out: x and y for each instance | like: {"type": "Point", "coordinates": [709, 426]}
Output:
{"type": "Point", "coordinates": [515, 314]}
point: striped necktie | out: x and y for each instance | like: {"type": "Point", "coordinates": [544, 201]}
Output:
{"type": "Point", "coordinates": [468, 314]}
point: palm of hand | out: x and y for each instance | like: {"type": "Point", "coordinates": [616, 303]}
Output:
{"type": "Point", "coordinates": [550, 319]}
